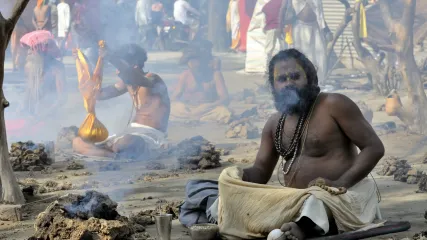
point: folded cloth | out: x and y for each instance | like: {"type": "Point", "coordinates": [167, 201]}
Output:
{"type": "Point", "coordinates": [249, 210]}
{"type": "Point", "coordinates": [154, 139]}
{"type": "Point", "coordinates": [182, 111]}
{"type": "Point", "coordinates": [200, 195]}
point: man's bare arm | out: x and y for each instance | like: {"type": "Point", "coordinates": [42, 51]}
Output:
{"type": "Point", "coordinates": [352, 122]}
{"type": "Point", "coordinates": [179, 89]}
{"type": "Point", "coordinates": [112, 91]}
{"type": "Point", "coordinates": [267, 156]}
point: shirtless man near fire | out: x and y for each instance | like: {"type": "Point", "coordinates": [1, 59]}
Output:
{"type": "Point", "coordinates": [147, 132]}
{"type": "Point", "coordinates": [201, 93]}
{"type": "Point", "coordinates": [41, 19]}
{"type": "Point", "coordinates": [325, 152]}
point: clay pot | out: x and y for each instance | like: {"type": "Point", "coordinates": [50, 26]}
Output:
{"type": "Point", "coordinates": [393, 104]}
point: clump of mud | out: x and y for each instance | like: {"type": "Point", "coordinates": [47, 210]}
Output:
{"type": "Point", "coordinates": [197, 153]}
{"type": "Point", "coordinates": [64, 139]}
{"type": "Point", "coordinates": [146, 217]}
{"type": "Point", "coordinates": [422, 185]}
{"type": "Point", "coordinates": [392, 165]}
{"type": "Point", "coordinates": [75, 166]}
{"type": "Point", "coordinates": [29, 156]}
{"type": "Point", "coordinates": [420, 236]}
{"type": "Point", "coordinates": [31, 186]}
{"type": "Point", "coordinates": [152, 165]}
{"type": "Point", "coordinates": [92, 216]}
{"type": "Point", "coordinates": [242, 128]}
{"type": "Point", "coordinates": [109, 167]}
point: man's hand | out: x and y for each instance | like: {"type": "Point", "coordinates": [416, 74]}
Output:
{"type": "Point", "coordinates": [102, 52]}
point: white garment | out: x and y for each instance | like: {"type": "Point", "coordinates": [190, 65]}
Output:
{"type": "Point", "coordinates": [272, 37]}
{"type": "Point", "coordinates": [256, 39]}
{"type": "Point", "coordinates": [143, 12]}
{"type": "Point", "coordinates": [153, 138]}
{"type": "Point", "coordinates": [64, 19]}
{"type": "Point", "coordinates": [367, 211]}
{"type": "Point", "coordinates": [235, 19]}
{"type": "Point", "coordinates": [315, 5]}
{"type": "Point", "coordinates": [181, 8]}
{"type": "Point", "coordinates": [310, 41]}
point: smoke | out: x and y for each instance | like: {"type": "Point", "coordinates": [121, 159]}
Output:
{"type": "Point", "coordinates": [291, 100]}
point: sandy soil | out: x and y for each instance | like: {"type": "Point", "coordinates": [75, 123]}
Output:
{"type": "Point", "coordinates": [399, 200]}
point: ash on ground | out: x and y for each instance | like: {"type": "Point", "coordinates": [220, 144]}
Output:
{"type": "Point", "coordinates": [197, 153]}
{"type": "Point", "coordinates": [64, 139]}
{"type": "Point", "coordinates": [92, 216]}
{"type": "Point", "coordinates": [29, 156]}
{"type": "Point", "coordinates": [242, 129]}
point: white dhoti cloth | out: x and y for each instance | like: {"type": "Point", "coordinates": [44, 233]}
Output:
{"type": "Point", "coordinates": [248, 210]}
{"type": "Point", "coordinates": [309, 40]}
{"type": "Point", "coordinates": [154, 139]}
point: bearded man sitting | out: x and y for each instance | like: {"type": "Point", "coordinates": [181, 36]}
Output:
{"type": "Point", "coordinates": [316, 137]}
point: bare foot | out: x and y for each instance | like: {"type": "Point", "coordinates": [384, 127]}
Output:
{"type": "Point", "coordinates": [292, 231]}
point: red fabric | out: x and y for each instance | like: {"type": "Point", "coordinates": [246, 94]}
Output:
{"type": "Point", "coordinates": [272, 11]}
{"type": "Point", "coordinates": [246, 9]}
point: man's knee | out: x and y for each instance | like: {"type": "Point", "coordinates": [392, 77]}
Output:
{"type": "Point", "coordinates": [80, 146]}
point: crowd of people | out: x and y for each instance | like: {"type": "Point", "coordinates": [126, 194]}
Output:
{"type": "Point", "coordinates": [315, 134]}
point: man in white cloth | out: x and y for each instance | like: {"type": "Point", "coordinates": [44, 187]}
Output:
{"type": "Point", "coordinates": [146, 136]}
{"type": "Point", "coordinates": [143, 20]}
{"type": "Point", "coordinates": [310, 32]}
{"type": "Point", "coordinates": [317, 136]}
{"type": "Point", "coordinates": [181, 12]}
{"type": "Point", "coordinates": [64, 19]}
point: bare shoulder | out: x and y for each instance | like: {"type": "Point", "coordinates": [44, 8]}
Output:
{"type": "Point", "coordinates": [271, 124]}
{"type": "Point", "coordinates": [337, 100]}
{"type": "Point", "coordinates": [155, 78]}
{"type": "Point", "coordinates": [339, 105]}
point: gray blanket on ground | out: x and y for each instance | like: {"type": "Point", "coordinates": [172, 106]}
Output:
{"type": "Point", "coordinates": [199, 196]}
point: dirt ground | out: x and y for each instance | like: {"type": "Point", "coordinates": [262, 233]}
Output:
{"type": "Point", "coordinates": [399, 200]}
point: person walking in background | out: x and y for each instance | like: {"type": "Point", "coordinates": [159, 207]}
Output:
{"type": "Point", "coordinates": [233, 24]}
{"type": "Point", "coordinates": [41, 16]}
{"type": "Point", "coordinates": [54, 17]}
{"type": "Point", "coordinates": [64, 19]}
{"type": "Point", "coordinates": [181, 13]}
{"type": "Point", "coordinates": [143, 21]}
{"type": "Point", "coordinates": [311, 33]}
{"type": "Point", "coordinates": [273, 28]}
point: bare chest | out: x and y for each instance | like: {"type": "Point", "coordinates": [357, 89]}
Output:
{"type": "Point", "coordinates": [321, 135]}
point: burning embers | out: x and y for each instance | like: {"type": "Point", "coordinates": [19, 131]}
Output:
{"type": "Point", "coordinates": [27, 156]}
{"type": "Point", "coordinates": [92, 216]}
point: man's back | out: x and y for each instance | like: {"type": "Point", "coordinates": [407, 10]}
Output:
{"type": "Point", "coordinates": [42, 14]}
{"type": "Point", "coordinates": [152, 105]}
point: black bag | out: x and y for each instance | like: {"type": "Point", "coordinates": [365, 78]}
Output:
{"type": "Point", "coordinates": [290, 15]}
